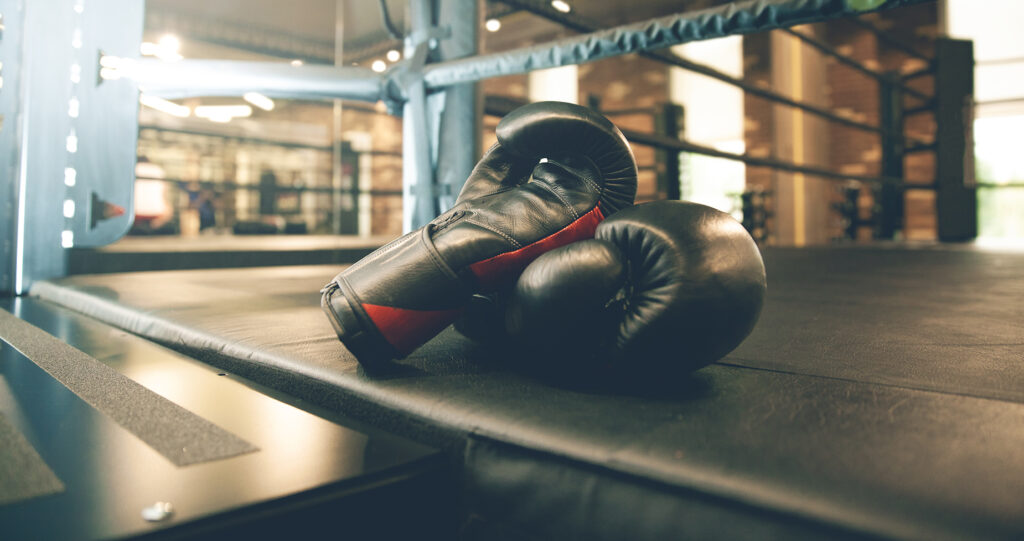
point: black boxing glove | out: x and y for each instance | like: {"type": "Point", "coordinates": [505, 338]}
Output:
{"type": "Point", "coordinates": [555, 173]}
{"type": "Point", "coordinates": [663, 289]}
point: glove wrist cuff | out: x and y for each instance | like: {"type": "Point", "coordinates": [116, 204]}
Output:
{"type": "Point", "coordinates": [390, 305]}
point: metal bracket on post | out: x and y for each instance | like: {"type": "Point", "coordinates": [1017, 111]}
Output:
{"type": "Point", "coordinates": [441, 129]}
{"type": "Point", "coordinates": [420, 120]}
{"type": "Point", "coordinates": [418, 203]}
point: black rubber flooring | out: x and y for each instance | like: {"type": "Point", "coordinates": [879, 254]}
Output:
{"type": "Point", "coordinates": [941, 320]}
{"type": "Point", "coordinates": [881, 393]}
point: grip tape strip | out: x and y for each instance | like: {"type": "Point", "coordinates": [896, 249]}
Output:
{"type": "Point", "coordinates": [179, 435]}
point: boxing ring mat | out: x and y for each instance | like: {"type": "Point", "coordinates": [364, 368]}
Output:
{"type": "Point", "coordinates": [882, 392]}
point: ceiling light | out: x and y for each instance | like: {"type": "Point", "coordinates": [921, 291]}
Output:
{"type": "Point", "coordinates": [259, 100]}
{"type": "Point", "coordinates": [394, 56]}
{"type": "Point", "coordinates": [170, 42]}
{"type": "Point", "coordinates": [168, 56]}
{"type": "Point", "coordinates": [492, 25]}
{"type": "Point", "coordinates": [378, 66]}
{"type": "Point", "coordinates": [561, 5]}
{"type": "Point", "coordinates": [218, 113]}
{"type": "Point", "coordinates": [296, 62]}
{"type": "Point", "coordinates": [164, 106]}
{"type": "Point", "coordinates": [166, 49]}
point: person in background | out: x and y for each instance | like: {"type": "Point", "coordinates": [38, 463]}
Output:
{"type": "Point", "coordinates": [200, 212]}
{"type": "Point", "coordinates": [206, 203]}
{"type": "Point", "coordinates": [154, 214]}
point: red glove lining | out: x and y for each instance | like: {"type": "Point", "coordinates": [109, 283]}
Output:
{"type": "Point", "coordinates": [407, 329]}
{"type": "Point", "coordinates": [501, 269]}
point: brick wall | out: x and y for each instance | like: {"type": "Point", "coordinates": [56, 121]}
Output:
{"type": "Point", "coordinates": [631, 91]}
{"type": "Point", "coordinates": [758, 122]}
{"type": "Point", "coordinates": [384, 162]}
{"type": "Point", "coordinates": [857, 96]}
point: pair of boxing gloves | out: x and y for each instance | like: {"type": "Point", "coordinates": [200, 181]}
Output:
{"type": "Point", "coordinates": [526, 256]}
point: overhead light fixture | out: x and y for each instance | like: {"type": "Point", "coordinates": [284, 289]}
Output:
{"type": "Point", "coordinates": [164, 106]}
{"type": "Point", "coordinates": [169, 46]}
{"type": "Point", "coordinates": [222, 113]}
{"type": "Point", "coordinates": [561, 5]}
{"type": "Point", "coordinates": [170, 42]}
{"type": "Point", "coordinates": [394, 56]}
{"type": "Point", "coordinates": [492, 25]}
{"type": "Point", "coordinates": [206, 111]}
{"type": "Point", "coordinates": [165, 49]}
{"type": "Point", "coordinates": [296, 62]}
{"type": "Point", "coordinates": [259, 100]}
{"type": "Point", "coordinates": [378, 66]}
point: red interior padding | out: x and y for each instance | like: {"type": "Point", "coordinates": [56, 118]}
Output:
{"type": "Point", "coordinates": [406, 329]}
{"type": "Point", "coordinates": [501, 269]}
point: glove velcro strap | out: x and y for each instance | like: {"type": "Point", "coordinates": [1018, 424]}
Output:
{"type": "Point", "coordinates": [500, 270]}
{"type": "Point", "coordinates": [403, 297]}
